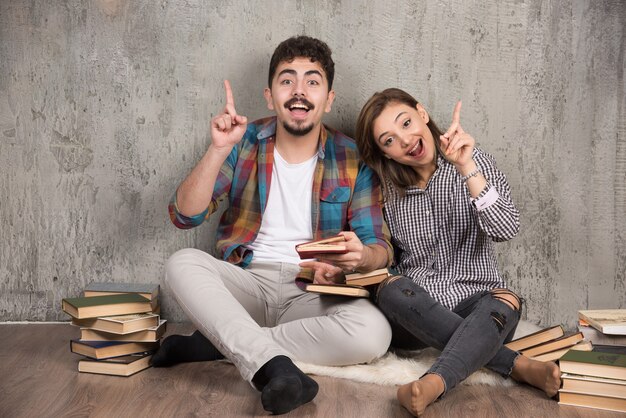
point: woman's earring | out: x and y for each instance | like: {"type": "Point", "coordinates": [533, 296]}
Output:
{"type": "Point", "coordinates": [387, 157]}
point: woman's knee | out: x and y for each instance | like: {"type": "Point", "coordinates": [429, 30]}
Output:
{"type": "Point", "coordinates": [507, 297]}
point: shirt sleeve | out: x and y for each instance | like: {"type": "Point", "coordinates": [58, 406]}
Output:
{"type": "Point", "coordinates": [222, 186]}
{"type": "Point", "coordinates": [365, 212]}
{"type": "Point", "coordinates": [497, 215]}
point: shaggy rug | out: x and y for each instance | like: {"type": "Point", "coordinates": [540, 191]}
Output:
{"type": "Point", "coordinates": [406, 366]}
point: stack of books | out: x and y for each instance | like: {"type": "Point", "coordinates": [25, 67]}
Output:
{"type": "Point", "coordinates": [603, 326]}
{"type": "Point", "coordinates": [597, 379]}
{"type": "Point", "coordinates": [594, 379]}
{"type": "Point", "coordinates": [120, 327]}
{"type": "Point", "coordinates": [549, 344]}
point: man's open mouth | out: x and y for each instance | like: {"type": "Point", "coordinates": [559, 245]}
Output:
{"type": "Point", "coordinates": [299, 105]}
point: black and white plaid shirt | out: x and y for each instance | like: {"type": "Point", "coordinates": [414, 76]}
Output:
{"type": "Point", "coordinates": [444, 239]}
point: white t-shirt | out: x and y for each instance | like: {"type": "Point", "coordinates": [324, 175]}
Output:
{"type": "Point", "coordinates": [287, 217]}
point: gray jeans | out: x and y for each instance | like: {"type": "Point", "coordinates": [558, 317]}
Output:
{"type": "Point", "coordinates": [252, 315]}
{"type": "Point", "coordinates": [469, 337]}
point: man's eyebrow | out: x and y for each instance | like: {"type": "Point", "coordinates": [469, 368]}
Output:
{"type": "Point", "coordinates": [287, 71]}
{"type": "Point", "coordinates": [313, 72]}
{"type": "Point", "coordinates": [380, 137]}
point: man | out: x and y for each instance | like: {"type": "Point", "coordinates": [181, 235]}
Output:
{"type": "Point", "coordinates": [288, 179]}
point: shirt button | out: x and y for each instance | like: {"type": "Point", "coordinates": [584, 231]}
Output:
{"type": "Point", "coordinates": [427, 212]}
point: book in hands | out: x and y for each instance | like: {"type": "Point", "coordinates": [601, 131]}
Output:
{"type": "Point", "coordinates": [106, 349]}
{"type": "Point", "coordinates": [367, 279]}
{"type": "Point", "coordinates": [117, 366]}
{"type": "Point", "coordinates": [607, 321]}
{"type": "Point", "coordinates": [150, 334]}
{"type": "Point", "coordinates": [111, 305]}
{"type": "Point", "coordinates": [539, 337]}
{"type": "Point", "coordinates": [149, 291]}
{"type": "Point", "coordinates": [121, 324]}
{"type": "Point", "coordinates": [333, 245]}
{"type": "Point", "coordinates": [338, 289]}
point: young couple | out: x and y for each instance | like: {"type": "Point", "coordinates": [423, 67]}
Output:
{"type": "Point", "coordinates": [290, 179]}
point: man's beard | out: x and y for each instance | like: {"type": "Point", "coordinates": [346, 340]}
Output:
{"type": "Point", "coordinates": [298, 130]}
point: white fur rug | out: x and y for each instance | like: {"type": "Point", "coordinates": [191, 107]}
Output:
{"type": "Point", "coordinates": [391, 369]}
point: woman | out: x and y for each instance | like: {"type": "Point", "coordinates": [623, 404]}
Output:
{"type": "Point", "coordinates": [445, 204]}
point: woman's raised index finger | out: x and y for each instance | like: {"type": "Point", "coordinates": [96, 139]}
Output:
{"type": "Point", "coordinates": [456, 115]}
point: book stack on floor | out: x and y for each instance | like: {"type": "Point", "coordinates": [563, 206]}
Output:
{"type": "Point", "coordinates": [549, 344]}
{"type": "Point", "coordinates": [597, 379]}
{"type": "Point", "coordinates": [120, 327]}
{"type": "Point", "coordinates": [603, 326]}
{"type": "Point", "coordinates": [594, 379]}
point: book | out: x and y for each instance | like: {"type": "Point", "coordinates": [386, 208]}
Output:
{"type": "Point", "coordinates": [556, 344]}
{"type": "Point", "coordinates": [333, 245]}
{"type": "Point", "coordinates": [536, 338]}
{"type": "Point", "coordinates": [367, 279]}
{"type": "Point", "coordinates": [611, 349]}
{"type": "Point", "coordinates": [150, 334]}
{"type": "Point", "coordinates": [117, 366]}
{"type": "Point", "coordinates": [607, 321]}
{"type": "Point", "coordinates": [594, 363]}
{"type": "Point", "coordinates": [107, 349]}
{"type": "Point", "coordinates": [592, 401]}
{"type": "Point", "coordinates": [148, 290]}
{"type": "Point", "coordinates": [598, 337]}
{"type": "Point", "coordinates": [338, 289]}
{"type": "Point", "coordinates": [594, 385]}
{"type": "Point", "coordinates": [110, 305]}
{"type": "Point", "coordinates": [121, 324]}
{"type": "Point", "coordinates": [557, 354]}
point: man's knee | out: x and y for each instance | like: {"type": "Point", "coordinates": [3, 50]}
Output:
{"type": "Point", "coordinates": [177, 262]}
{"type": "Point", "coordinates": [371, 336]}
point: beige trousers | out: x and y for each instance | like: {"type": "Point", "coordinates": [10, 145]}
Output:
{"type": "Point", "coordinates": [252, 315]}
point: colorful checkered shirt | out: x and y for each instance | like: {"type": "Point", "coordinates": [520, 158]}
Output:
{"type": "Point", "coordinates": [346, 193]}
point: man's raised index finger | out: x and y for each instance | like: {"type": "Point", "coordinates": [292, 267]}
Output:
{"type": "Point", "coordinates": [456, 115]}
{"type": "Point", "coordinates": [229, 93]}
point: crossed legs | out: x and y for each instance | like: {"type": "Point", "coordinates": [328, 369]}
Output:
{"type": "Point", "coordinates": [469, 337]}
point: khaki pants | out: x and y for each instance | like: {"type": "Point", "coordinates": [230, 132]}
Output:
{"type": "Point", "coordinates": [252, 315]}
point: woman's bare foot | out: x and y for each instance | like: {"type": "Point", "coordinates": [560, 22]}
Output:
{"type": "Point", "coordinates": [543, 375]}
{"type": "Point", "coordinates": [417, 395]}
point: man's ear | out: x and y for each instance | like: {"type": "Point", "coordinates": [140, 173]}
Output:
{"type": "Point", "coordinates": [329, 101]}
{"type": "Point", "coordinates": [268, 98]}
{"type": "Point", "coordinates": [422, 112]}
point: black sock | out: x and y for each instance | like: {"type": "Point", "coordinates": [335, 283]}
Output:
{"type": "Point", "coordinates": [183, 349]}
{"type": "Point", "coordinates": [283, 386]}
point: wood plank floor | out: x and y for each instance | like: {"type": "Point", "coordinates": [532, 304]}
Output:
{"type": "Point", "coordinates": [39, 378]}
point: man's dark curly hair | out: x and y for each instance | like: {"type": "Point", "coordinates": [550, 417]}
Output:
{"type": "Point", "coordinates": [305, 47]}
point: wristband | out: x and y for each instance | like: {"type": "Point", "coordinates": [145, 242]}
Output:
{"type": "Point", "coordinates": [471, 174]}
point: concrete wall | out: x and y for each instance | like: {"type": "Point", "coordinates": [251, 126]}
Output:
{"type": "Point", "coordinates": [105, 106]}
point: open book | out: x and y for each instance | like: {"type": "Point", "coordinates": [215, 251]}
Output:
{"type": "Point", "coordinates": [333, 245]}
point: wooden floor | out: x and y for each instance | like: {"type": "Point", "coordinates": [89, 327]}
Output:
{"type": "Point", "coordinates": [39, 378]}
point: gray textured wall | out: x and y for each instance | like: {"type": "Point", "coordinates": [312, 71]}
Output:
{"type": "Point", "coordinates": [105, 105]}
